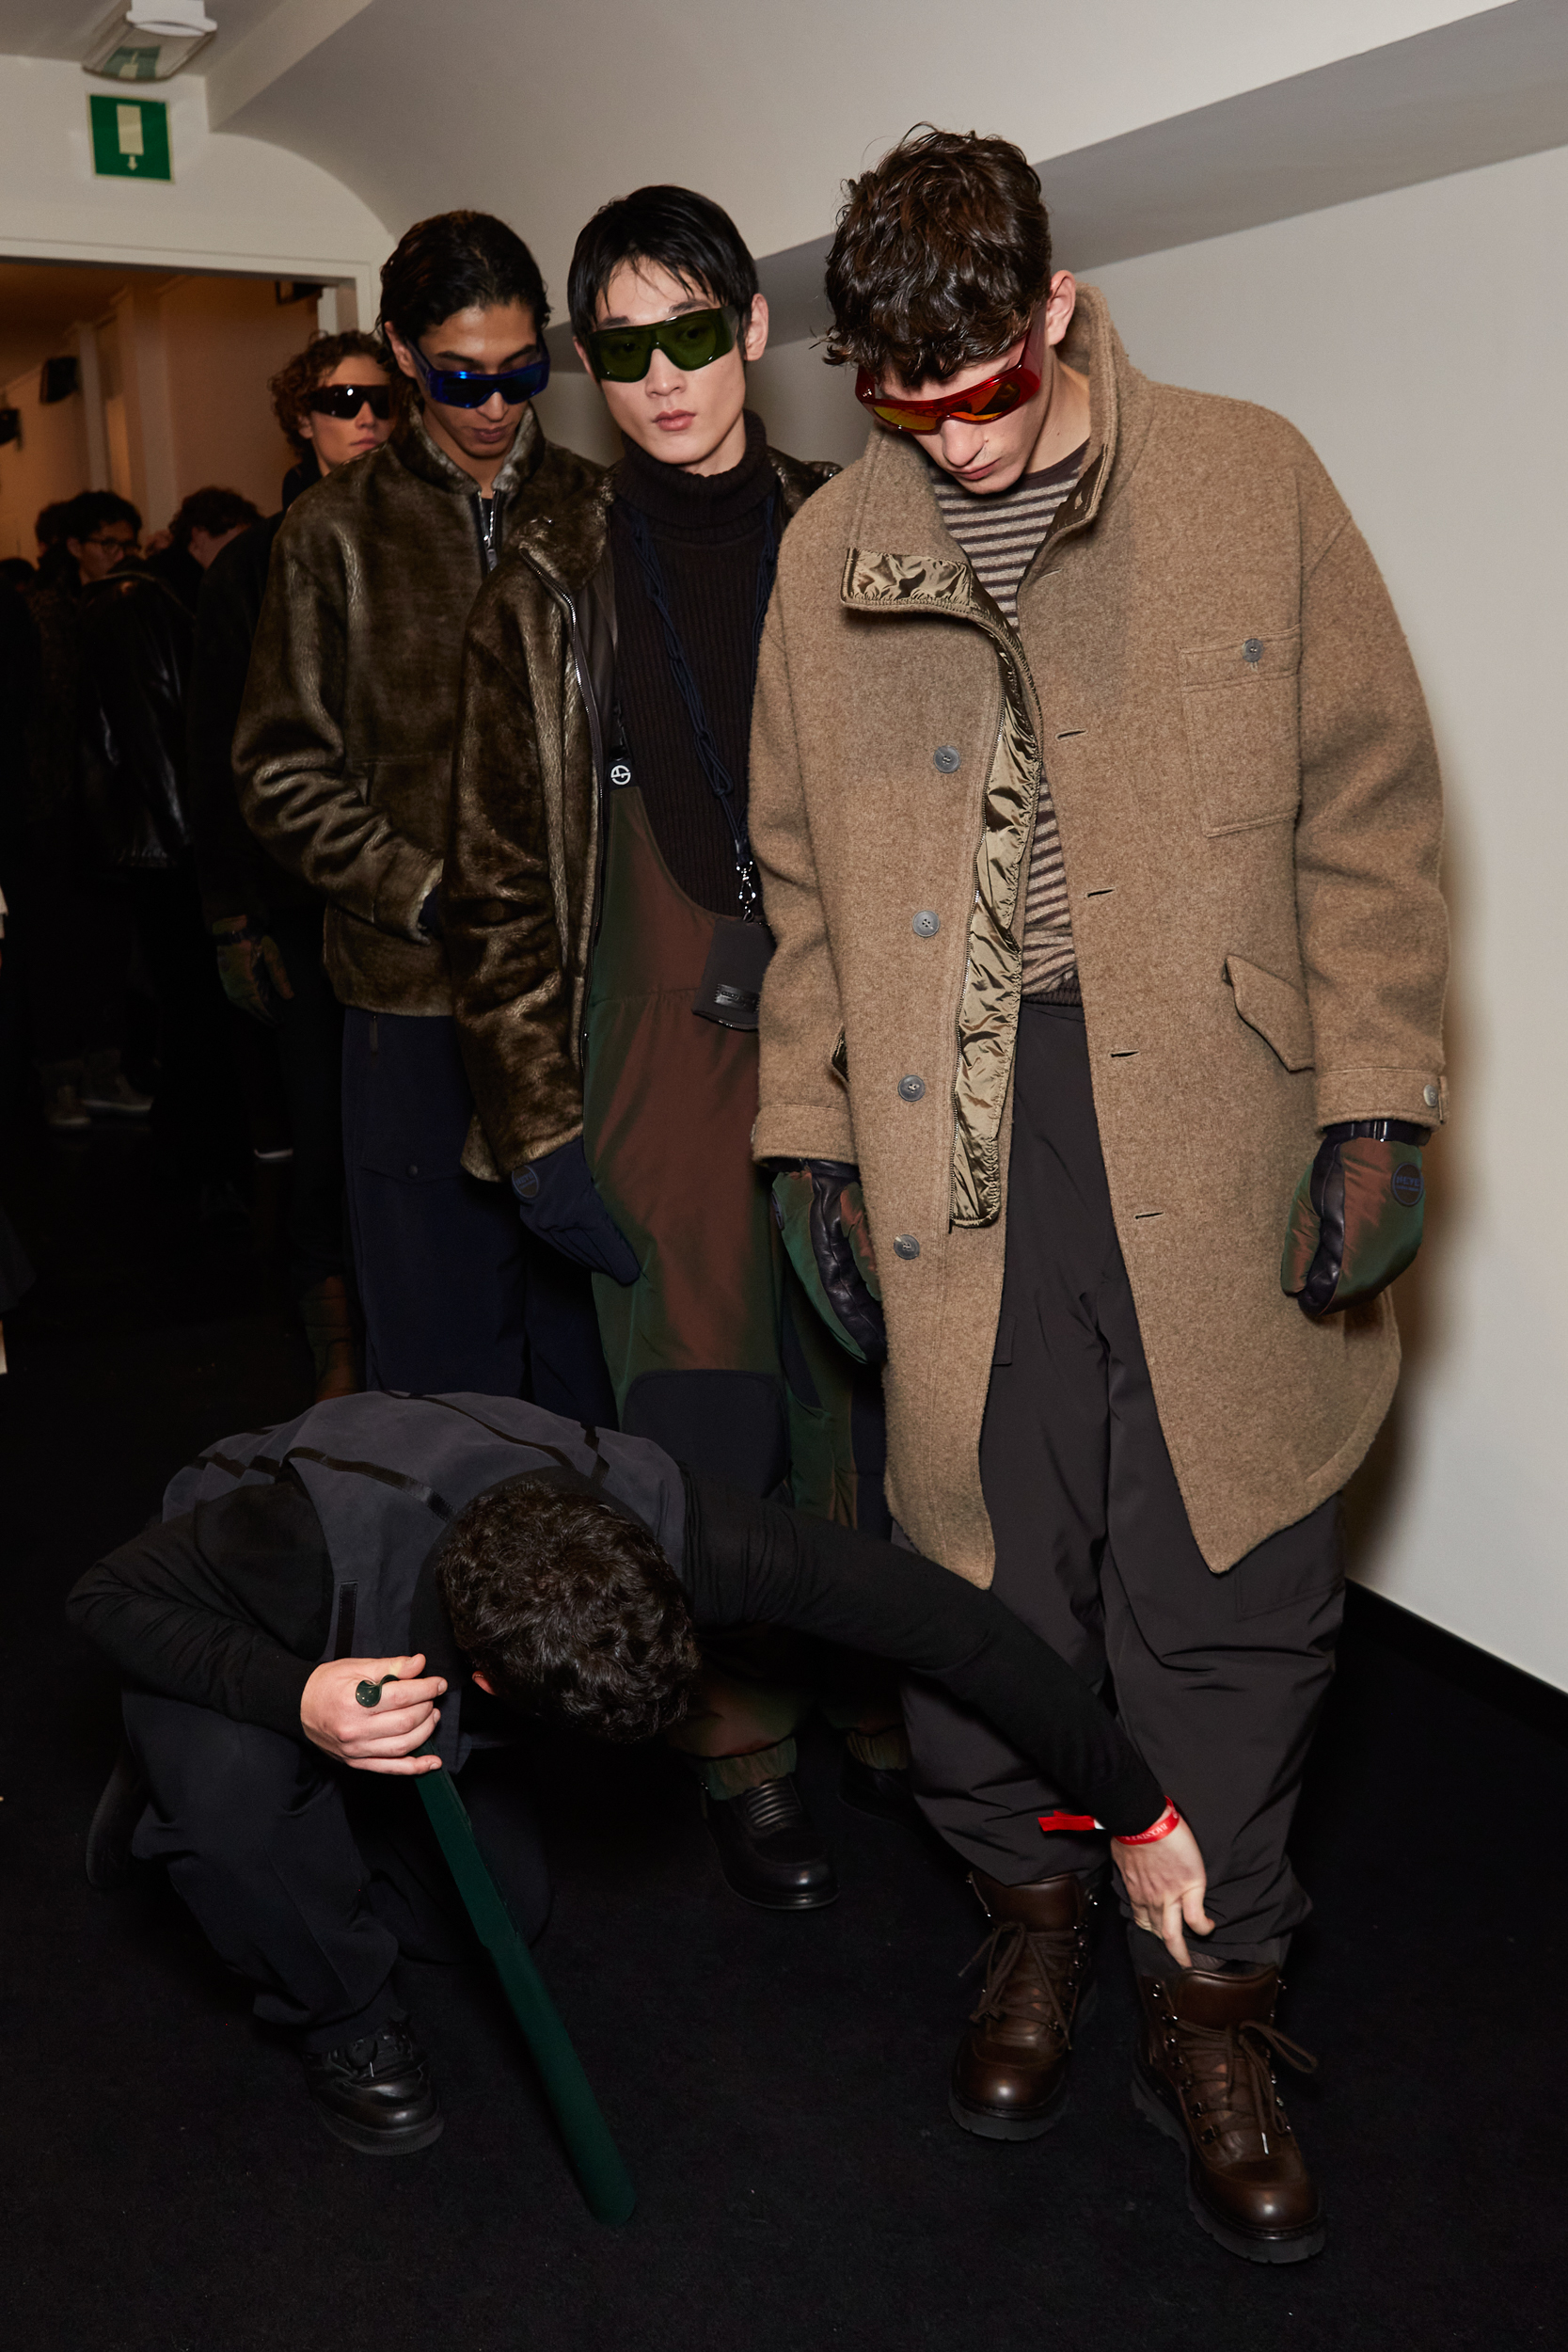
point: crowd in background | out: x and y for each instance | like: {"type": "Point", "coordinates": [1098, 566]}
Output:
{"type": "Point", "coordinates": [128, 877]}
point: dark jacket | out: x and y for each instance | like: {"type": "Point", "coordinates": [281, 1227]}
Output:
{"type": "Point", "coordinates": [520, 893]}
{"type": "Point", "coordinates": [236, 874]}
{"type": "Point", "coordinates": [320, 1539]}
{"type": "Point", "coordinates": [135, 639]}
{"type": "Point", "coordinates": [344, 747]}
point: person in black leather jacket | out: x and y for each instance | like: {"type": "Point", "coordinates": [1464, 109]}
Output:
{"type": "Point", "coordinates": [135, 639]}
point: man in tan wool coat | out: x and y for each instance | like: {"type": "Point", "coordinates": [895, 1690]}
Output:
{"type": "Point", "coordinates": [1098, 816]}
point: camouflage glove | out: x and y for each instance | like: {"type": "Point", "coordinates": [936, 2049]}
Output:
{"type": "Point", "coordinates": [250, 968]}
{"type": "Point", "coordinates": [821, 1214]}
{"type": "Point", "coordinates": [1355, 1221]}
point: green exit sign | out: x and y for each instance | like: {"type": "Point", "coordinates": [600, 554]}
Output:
{"type": "Point", "coordinates": [130, 138]}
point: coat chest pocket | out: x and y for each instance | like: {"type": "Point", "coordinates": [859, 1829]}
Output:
{"type": "Point", "coordinates": [1244, 731]}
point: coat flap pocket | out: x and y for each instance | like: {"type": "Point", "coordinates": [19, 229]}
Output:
{"type": "Point", "coordinates": [1240, 660]}
{"type": "Point", "coordinates": [1276, 1009]}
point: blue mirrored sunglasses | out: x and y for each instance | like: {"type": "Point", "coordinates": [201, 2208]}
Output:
{"type": "Point", "coordinates": [459, 387]}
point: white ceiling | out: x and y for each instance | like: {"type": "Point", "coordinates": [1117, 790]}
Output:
{"type": "Point", "coordinates": [540, 112]}
{"type": "Point", "coordinates": [60, 29]}
{"type": "Point", "coordinates": [1154, 124]}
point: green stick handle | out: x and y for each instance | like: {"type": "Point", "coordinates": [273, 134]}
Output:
{"type": "Point", "coordinates": [595, 2159]}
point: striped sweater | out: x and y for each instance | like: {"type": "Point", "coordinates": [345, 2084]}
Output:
{"type": "Point", "coordinates": [1000, 535]}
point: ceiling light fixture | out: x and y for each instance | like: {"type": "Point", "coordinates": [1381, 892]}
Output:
{"type": "Point", "coordinates": [147, 40]}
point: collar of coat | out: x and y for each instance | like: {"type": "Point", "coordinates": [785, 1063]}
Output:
{"type": "Point", "coordinates": [419, 453]}
{"type": "Point", "coordinates": [902, 556]}
{"type": "Point", "coordinates": [568, 547]}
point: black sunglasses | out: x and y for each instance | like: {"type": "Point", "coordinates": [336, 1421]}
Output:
{"type": "Point", "coordinates": [344, 401]}
{"type": "Point", "coordinates": [623, 355]}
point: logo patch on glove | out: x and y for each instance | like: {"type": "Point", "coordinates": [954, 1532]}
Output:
{"type": "Point", "coordinates": [1406, 1185]}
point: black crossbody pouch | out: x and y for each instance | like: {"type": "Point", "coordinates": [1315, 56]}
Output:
{"type": "Point", "coordinates": [731, 988]}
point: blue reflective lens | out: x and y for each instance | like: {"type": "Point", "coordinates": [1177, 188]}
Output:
{"type": "Point", "coordinates": [459, 387]}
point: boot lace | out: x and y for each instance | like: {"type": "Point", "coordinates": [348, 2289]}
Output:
{"type": "Point", "coordinates": [1059, 1961]}
{"type": "Point", "coordinates": [1239, 2061]}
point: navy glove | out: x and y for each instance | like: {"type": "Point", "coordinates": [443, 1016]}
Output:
{"type": "Point", "coordinates": [559, 1203]}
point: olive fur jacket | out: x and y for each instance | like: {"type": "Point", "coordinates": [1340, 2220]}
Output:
{"type": "Point", "coordinates": [522, 878]}
{"type": "Point", "coordinates": [342, 755]}
{"type": "Point", "coordinates": [1207, 665]}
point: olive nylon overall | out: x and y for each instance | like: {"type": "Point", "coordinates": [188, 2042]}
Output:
{"type": "Point", "coordinates": [695, 1346]}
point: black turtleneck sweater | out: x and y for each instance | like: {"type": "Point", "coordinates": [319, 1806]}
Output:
{"type": "Point", "coordinates": [708, 533]}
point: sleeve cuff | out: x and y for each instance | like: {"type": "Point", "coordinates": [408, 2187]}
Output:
{"type": "Point", "coordinates": [274, 1689]}
{"type": "Point", "coordinates": [1421, 1096]}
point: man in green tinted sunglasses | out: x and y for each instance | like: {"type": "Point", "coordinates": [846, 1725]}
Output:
{"type": "Point", "coordinates": [607, 949]}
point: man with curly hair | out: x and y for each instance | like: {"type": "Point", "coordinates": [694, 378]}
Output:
{"type": "Point", "coordinates": [1098, 819]}
{"type": "Point", "coordinates": [379, 1587]}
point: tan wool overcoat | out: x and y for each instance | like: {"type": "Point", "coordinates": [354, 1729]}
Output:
{"type": "Point", "coordinates": [1208, 668]}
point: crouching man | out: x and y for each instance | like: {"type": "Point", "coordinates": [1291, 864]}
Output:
{"type": "Point", "coordinates": [378, 1587]}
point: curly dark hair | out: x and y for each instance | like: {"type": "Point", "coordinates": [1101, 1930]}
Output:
{"type": "Point", "coordinates": [942, 255]}
{"type": "Point", "coordinates": [299, 376]}
{"type": "Point", "coordinates": [569, 1609]}
{"type": "Point", "coordinates": [214, 511]}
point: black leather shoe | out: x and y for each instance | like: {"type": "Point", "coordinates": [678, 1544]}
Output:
{"type": "Point", "coordinates": [768, 1849]}
{"type": "Point", "coordinates": [377, 2094]}
{"type": "Point", "coordinates": [876, 1789]}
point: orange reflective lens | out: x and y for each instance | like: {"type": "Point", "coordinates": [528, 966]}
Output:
{"type": "Point", "coordinates": [984, 402]}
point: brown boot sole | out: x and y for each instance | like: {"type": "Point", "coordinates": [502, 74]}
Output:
{"type": "Point", "coordinates": [1253, 2246]}
{"type": "Point", "coordinates": [993, 2124]}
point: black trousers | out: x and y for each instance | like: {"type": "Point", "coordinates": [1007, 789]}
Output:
{"type": "Point", "coordinates": [454, 1293]}
{"type": "Point", "coordinates": [198, 1112]}
{"type": "Point", "coordinates": [309, 1879]}
{"type": "Point", "coordinates": [310, 1054]}
{"type": "Point", "coordinates": [1219, 1680]}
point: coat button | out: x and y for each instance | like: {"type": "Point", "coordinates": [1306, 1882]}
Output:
{"type": "Point", "coordinates": [946, 756]}
{"type": "Point", "coordinates": [1253, 650]}
{"type": "Point", "coordinates": [926, 925]}
{"type": "Point", "coordinates": [413, 1167]}
{"type": "Point", "coordinates": [1429, 1096]}
{"type": "Point", "coordinates": [912, 1088]}
{"type": "Point", "coordinates": [905, 1246]}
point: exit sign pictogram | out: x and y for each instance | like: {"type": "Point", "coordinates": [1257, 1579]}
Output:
{"type": "Point", "coordinates": [130, 138]}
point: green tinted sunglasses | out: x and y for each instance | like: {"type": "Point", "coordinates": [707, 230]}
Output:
{"type": "Point", "coordinates": [623, 355]}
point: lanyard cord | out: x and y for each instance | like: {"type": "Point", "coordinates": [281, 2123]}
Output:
{"type": "Point", "coordinates": [708, 756]}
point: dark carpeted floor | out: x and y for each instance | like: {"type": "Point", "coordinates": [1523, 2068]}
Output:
{"type": "Point", "coordinates": [777, 2085]}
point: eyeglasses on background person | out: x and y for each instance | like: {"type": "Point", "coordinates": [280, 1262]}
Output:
{"type": "Point", "coordinates": [344, 401]}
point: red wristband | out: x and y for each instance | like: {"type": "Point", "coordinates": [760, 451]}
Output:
{"type": "Point", "coordinates": [1169, 1820]}
{"type": "Point", "coordinates": [1050, 1821]}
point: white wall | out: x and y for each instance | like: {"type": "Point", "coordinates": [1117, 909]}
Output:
{"type": "Point", "coordinates": [1420, 340]}
{"type": "Point", "coordinates": [232, 204]}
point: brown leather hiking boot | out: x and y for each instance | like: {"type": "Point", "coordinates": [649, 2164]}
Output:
{"type": "Point", "coordinates": [1204, 2077]}
{"type": "Point", "coordinates": [1009, 2077]}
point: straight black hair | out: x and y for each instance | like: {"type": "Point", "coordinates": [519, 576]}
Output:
{"type": "Point", "coordinates": [91, 509]}
{"type": "Point", "coordinates": [458, 262]}
{"type": "Point", "coordinates": [688, 234]}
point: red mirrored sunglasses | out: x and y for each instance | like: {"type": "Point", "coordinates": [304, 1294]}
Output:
{"type": "Point", "coordinates": [994, 397]}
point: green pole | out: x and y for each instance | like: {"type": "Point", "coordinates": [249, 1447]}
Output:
{"type": "Point", "coordinates": [595, 2159]}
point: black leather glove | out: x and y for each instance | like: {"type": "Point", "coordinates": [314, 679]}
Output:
{"type": "Point", "coordinates": [559, 1203]}
{"type": "Point", "coordinates": [1355, 1221]}
{"type": "Point", "coordinates": [821, 1214]}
